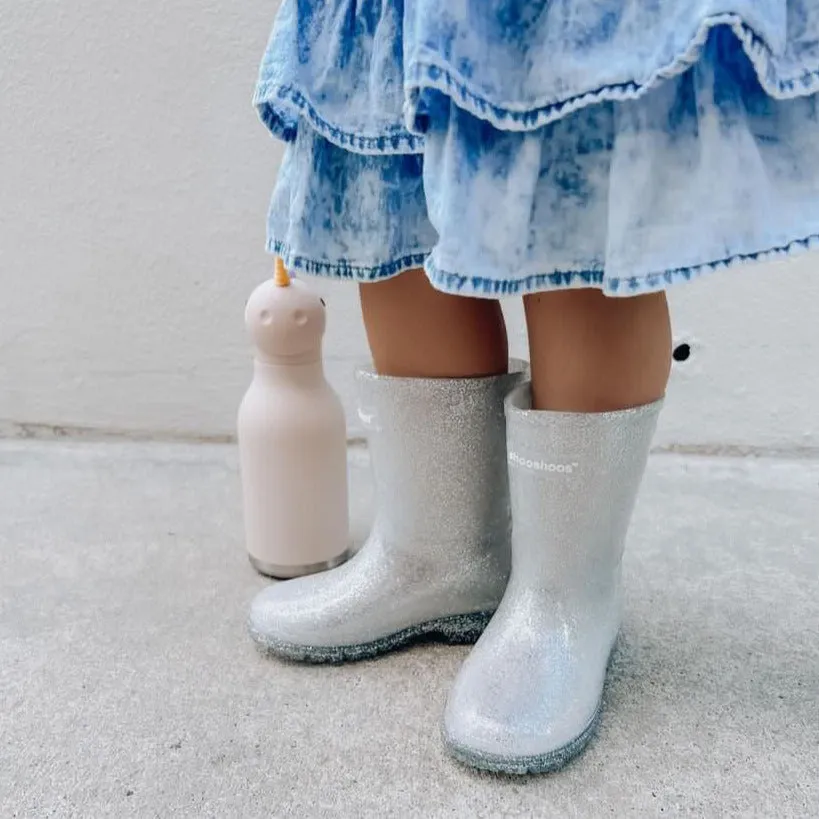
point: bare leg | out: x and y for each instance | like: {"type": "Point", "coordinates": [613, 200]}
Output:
{"type": "Point", "coordinates": [415, 331]}
{"type": "Point", "coordinates": [593, 353]}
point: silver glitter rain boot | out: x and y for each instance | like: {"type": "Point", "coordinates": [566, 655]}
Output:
{"type": "Point", "coordinates": [529, 695]}
{"type": "Point", "coordinates": [437, 560]}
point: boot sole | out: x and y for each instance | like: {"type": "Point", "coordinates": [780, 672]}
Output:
{"type": "Point", "coordinates": [457, 629]}
{"type": "Point", "coordinates": [523, 765]}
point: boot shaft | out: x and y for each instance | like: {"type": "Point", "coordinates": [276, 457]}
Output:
{"type": "Point", "coordinates": [438, 452]}
{"type": "Point", "coordinates": [574, 479]}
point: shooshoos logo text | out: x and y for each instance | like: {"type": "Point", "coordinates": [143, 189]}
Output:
{"type": "Point", "coordinates": [540, 466]}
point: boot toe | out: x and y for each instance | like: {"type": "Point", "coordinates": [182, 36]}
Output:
{"type": "Point", "coordinates": [516, 708]}
{"type": "Point", "coordinates": [343, 614]}
{"type": "Point", "coordinates": [488, 741]}
{"type": "Point", "coordinates": [282, 613]}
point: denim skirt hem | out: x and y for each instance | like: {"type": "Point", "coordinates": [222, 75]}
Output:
{"type": "Point", "coordinates": [494, 288]}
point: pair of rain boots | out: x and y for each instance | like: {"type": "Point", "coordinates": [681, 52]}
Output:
{"type": "Point", "coordinates": [495, 523]}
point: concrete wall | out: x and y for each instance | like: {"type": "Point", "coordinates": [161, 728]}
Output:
{"type": "Point", "coordinates": [134, 179]}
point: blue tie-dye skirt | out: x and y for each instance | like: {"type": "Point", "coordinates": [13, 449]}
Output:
{"type": "Point", "coordinates": [513, 146]}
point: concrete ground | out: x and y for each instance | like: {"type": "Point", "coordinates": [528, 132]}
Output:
{"type": "Point", "coordinates": [128, 686]}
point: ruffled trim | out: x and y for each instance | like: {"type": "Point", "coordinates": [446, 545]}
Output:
{"type": "Point", "coordinates": [344, 269]}
{"type": "Point", "coordinates": [281, 106]}
{"type": "Point", "coordinates": [430, 74]}
{"type": "Point", "coordinates": [297, 104]}
{"type": "Point", "coordinates": [480, 287]}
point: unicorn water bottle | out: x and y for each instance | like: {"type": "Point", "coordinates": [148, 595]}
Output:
{"type": "Point", "coordinates": [292, 437]}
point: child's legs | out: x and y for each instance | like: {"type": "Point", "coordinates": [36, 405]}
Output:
{"type": "Point", "coordinates": [592, 353]}
{"type": "Point", "coordinates": [415, 331]}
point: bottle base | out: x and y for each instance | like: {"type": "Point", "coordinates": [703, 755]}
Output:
{"type": "Point", "coordinates": [289, 572]}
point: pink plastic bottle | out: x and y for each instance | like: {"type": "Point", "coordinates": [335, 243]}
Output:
{"type": "Point", "coordinates": [292, 437]}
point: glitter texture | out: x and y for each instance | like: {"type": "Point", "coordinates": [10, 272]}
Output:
{"type": "Point", "coordinates": [528, 697]}
{"type": "Point", "coordinates": [437, 559]}
{"type": "Point", "coordinates": [462, 628]}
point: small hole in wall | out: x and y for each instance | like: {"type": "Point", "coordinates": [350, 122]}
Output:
{"type": "Point", "coordinates": [682, 352]}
